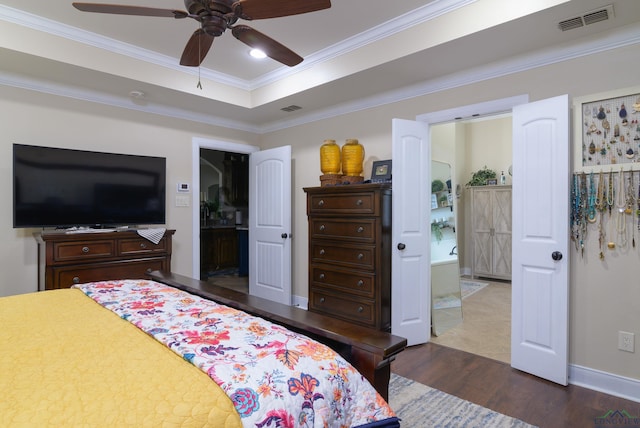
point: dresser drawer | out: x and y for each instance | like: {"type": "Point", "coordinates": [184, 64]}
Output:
{"type": "Point", "coordinates": [355, 256]}
{"type": "Point", "coordinates": [359, 311]}
{"type": "Point", "coordinates": [362, 203]}
{"type": "Point", "coordinates": [65, 277]}
{"type": "Point", "coordinates": [140, 246]}
{"type": "Point", "coordinates": [360, 230]}
{"type": "Point", "coordinates": [70, 251]}
{"type": "Point", "coordinates": [343, 280]}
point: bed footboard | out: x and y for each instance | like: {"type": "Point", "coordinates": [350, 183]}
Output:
{"type": "Point", "coordinates": [369, 351]}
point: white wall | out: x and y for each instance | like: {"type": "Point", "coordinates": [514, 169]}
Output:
{"type": "Point", "coordinates": [605, 296]}
{"type": "Point", "coordinates": [603, 299]}
{"type": "Point", "coordinates": [32, 118]}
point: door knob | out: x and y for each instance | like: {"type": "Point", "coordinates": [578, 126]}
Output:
{"type": "Point", "coordinates": [556, 255]}
{"type": "Point", "coordinates": [401, 246]}
{"type": "Point", "coordinates": [284, 236]}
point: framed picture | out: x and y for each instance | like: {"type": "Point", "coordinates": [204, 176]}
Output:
{"type": "Point", "coordinates": [381, 171]}
{"type": "Point", "coordinates": [492, 182]}
{"type": "Point", "coordinates": [606, 131]}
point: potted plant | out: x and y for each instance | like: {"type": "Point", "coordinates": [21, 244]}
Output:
{"type": "Point", "coordinates": [480, 177]}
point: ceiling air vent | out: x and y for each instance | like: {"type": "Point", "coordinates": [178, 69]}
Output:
{"type": "Point", "coordinates": [291, 108]}
{"type": "Point", "coordinates": [588, 18]}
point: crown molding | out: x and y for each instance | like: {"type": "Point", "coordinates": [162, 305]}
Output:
{"type": "Point", "coordinates": [618, 38]}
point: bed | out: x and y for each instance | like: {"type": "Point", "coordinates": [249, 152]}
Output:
{"type": "Point", "coordinates": [173, 351]}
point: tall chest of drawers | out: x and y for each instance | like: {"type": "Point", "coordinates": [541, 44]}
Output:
{"type": "Point", "coordinates": [350, 252]}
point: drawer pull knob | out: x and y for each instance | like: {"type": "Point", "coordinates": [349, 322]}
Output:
{"type": "Point", "coordinates": [149, 270]}
{"type": "Point", "coordinates": [359, 202]}
{"type": "Point", "coordinates": [322, 300]}
{"type": "Point", "coordinates": [143, 245]}
{"type": "Point", "coordinates": [322, 228]}
{"type": "Point", "coordinates": [85, 249]}
{"type": "Point", "coordinates": [321, 203]}
{"type": "Point", "coordinates": [360, 283]}
{"type": "Point", "coordinates": [76, 280]}
{"type": "Point", "coordinates": [360, 256]}
{"type": "Point", "coordinates": [360, 309]}
{"type": "Point", "coordinates": [360, 229]}
{"type": "Point", "coordinates": [321, 276]}
{"type": "Point", "coordinates": [322, 252]}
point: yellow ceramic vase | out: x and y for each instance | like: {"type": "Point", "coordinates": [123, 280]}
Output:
{"type": "Point", "coordinates": [330, 157]}
{"type": "Point", "coordinates": [352, 158]}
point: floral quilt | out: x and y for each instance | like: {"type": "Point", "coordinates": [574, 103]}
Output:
{"type": "Point", "coordinates": [274, 377]}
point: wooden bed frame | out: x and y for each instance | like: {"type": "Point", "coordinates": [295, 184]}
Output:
{"type": "Point", "coordinates": [369, 351]}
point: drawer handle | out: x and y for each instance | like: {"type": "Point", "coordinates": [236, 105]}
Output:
{"type": "Point", "coordinates": [322, 252]}
{"type": "Point", "coordinates": [321, 203]}
{"type": "Point", "coordinates": [76, 280]}
{"type": "Point", "coordinates": [360, 256]}
{"type": "Point", "coordinates": [322, 300]}
{"type": "Point", "coordinates": [321, 276]}
{"type": "Point", "coordinates": [359, 202]}
{"type": "Point", "coordinates": [322, 228]}
{"type": "Point", "coordinates": [360, 309]}
{"type": "Point", "coordinates": [360, 229]}
{"type": "Point", "coordinates": [149, 270]}
{"type": "Point", "coordinates": [143, 245]}
{"type": "Point", "coordinates": [360, 283]}
{"type": "Point", "coordinates": [85, 249]}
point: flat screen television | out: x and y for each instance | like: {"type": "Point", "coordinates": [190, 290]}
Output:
{"type": "Point", "coordinates": [56, 187]}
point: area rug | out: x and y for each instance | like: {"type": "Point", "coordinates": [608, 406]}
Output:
{"type": "Point", "coordinates": [418, 405]}
{"type": "Point", "coordinates": [471, 287]}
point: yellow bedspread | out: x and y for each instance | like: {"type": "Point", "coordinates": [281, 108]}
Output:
{"type": "Point", "coordinates": [65, 361]}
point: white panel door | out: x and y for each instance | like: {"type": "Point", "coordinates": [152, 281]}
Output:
{"type": "Point", "coordinates": [411, 252]}
{"type": "Point", "coordinates": [539, 328]}
{"type": "Point", "coordinates": [270, 224]}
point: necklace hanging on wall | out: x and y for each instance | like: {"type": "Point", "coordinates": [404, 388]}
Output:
{"type": "Point", "coordinates": [621, 220]}
{"type": "Point", "coordinates": [610, 201]}
{"type": "Point", "coordinates": [601, 206]}
{"type": "Point", "coordinates": [592, 214]}
{"type": "Point", "coordinates": [631, 201]}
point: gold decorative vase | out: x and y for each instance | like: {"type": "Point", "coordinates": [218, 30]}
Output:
{"type": "Point", "coordinates": [352, 158]}
{"type": "Point", "coordinates": [330, 157]}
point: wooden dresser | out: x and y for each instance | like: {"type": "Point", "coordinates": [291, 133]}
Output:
{"type": "Point", "coordinates": [67, 259]}
{"type": "Point", "coordinates": [350, 252]}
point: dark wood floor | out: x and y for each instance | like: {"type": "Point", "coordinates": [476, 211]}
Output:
{"type": "Point", "coordinates": [496, 385]}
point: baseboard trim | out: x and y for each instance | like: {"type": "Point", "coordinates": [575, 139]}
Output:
{"type": "Point", "coordinates": [608, 383]}
{"type": "Point", "coordinates": [301, 302]}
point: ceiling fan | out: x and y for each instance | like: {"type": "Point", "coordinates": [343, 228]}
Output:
{"type": "Point", "coordinates": [216, 16]}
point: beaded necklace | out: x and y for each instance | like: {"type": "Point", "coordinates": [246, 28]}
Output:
{"type": "Point", "coordinates": [592, 214]}
{"type": "Point", "coordinates": [621, 221]}
{"type": "Point", "coordinates": [601, 206]}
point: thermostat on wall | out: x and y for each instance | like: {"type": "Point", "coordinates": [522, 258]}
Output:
{"type": "Point", "coordinates": [183, 187]}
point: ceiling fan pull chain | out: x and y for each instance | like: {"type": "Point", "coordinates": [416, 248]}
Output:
{"type": "Point", "coordinates": [199, 85]}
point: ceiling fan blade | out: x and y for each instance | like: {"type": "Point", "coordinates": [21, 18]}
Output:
{"type": "Point", "coordinates": [129, 10]}
{"type": "Point", "coordinates": [264, 9]}
{"type": "Point", "coordinates": [196, 49]}
{"type": "Point", "coordinates": [273, 49]}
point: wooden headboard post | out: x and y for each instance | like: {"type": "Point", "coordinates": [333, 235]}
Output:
{"type": "Point", "coordinates": [369, 351]}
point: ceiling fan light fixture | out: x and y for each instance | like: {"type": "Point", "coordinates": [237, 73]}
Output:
{"type": "Point", "coordinates": [137, 94]}
{"type": "Point", "coordinates": [257, 53]}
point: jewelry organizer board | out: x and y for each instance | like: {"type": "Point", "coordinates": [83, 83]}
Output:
{"type": "Point", "coordinates": [584, 121]}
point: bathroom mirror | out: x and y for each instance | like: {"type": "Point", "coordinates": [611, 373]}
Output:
{"type": "Point", "coordinates": [446, 295]}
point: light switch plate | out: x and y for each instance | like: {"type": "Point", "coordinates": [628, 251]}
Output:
{"type": "Point", "coordinates": [182, 201]}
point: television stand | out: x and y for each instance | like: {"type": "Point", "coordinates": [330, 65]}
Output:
{"type": "Point", "coordinates": [66, 258]}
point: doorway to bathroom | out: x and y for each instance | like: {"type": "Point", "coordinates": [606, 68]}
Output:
{"type": "Point", "coordinates": [476, 317]}
{"type": "Point", "coordinates": [224, 209]}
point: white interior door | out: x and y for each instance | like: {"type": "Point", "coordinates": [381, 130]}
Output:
{"type": "Point", "coordinates": [270, 224]}
{"type": "Point", "coordinates": [541, 177]}
{"type": "Point", "coordinates": [411, 235]}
